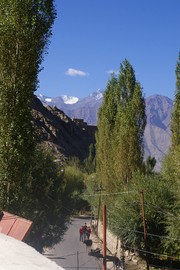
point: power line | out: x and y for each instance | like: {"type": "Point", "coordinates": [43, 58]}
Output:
{"type": "Point", "coordinates": [127, 192]}
{"type": "Point", "coordinates": [108, 194]}
{"type": "Point", "coordinates": [82, 267]}
{"type": "Point", "coordinates": [162, 211]}
{"type": "Point", "coordinates": [150, 234]}
{"type": "Point", "coordinates": [152, 253]}
{"type": "Point", "coordinates": [155, 207]}
{"type": "Point", "coordinates": [165, 212]}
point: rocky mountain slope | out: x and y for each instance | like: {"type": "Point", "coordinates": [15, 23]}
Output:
{"type": "Point", "coordinates": [64, 136]}
{"type": "Point", "coordinates": [157, 134]}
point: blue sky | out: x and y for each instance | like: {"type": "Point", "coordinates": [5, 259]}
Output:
{"type": "Point", "coordinates": [92, 37]}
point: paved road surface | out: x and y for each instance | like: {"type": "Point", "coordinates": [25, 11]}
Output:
{"type": "Point", "coordinates": [71, 254]}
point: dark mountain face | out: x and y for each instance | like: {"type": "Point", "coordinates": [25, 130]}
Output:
{"type": "Point", "coordinates": [157, 134]}
{"type": "Point", "coordinates": [64, 136]}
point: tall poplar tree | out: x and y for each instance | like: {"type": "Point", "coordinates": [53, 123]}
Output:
{"type": "Point", "coordinates": [130, 124]}
{"type": "Point", "coordinates": [104, 137]}
{"type": "Point", "coordinates": [25, 28]}
{"type": "Point", "coordinates": [121, 124]}
{"type": "Point", "coordinates": [171, 171]}
{"type": "Point", "coordinates": [175, 121]}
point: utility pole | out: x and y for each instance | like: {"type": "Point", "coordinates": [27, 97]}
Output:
{"type": "Point", "coordinates": [104, 238]}
{"type": "Point", "coordinates": [99, 205]}
{"type": "Point", "coordinates": [144, 225]}
{"type": "Point", "coordinates": [77, 260]}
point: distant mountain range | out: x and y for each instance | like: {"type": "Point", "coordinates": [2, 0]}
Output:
{"type": "Point", "coordinates": [85, 108]}
{"type": "Point", "coordinates": [157, 136]}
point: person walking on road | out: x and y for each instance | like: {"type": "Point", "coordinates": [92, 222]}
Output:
{"type": "Point", "coordinates": [84, 232]}
{"type": "Point", "coordinates": [81, 234]}
{"type": "Point", "coordinates": [88, 232]}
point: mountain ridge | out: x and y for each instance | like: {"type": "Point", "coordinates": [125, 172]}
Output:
{"type": "Point", "coordinates": [157, 134]}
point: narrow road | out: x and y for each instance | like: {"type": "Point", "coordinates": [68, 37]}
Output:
{"type": "Point", "coordinates": [71, 253]}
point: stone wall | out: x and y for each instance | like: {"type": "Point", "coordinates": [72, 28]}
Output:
{"type": "Point", "coordinates": [132, 260]}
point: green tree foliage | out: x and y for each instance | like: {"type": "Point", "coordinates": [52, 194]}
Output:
{"type": "Point", "coordinates": [171, 172]}
{"type": "Point", "coordinates": [159, 200]}
{"type": "Point", "coordinates": [54, 194]}
{"type": "Point", "coordinates": [74, 179]}
{"type": "Point", "coordinates": [93, 193]}
{"type": "Point", "coordinates": [121, 123]}
{"type": "Point", "coordinates": [31, 186]}
{"type": "Point", "coordinates": [104, 136]}
{"type": "Point", "coordinates": [149, 165]}
{"type": "Point", "coordinates": [25, 28]}
{"type": "Point", "coordinates": [175, 121]}
{"type": "Point", "coordinates": [162, 203]}
{"type": "Point", "coordinates": [89, 163]}
{"type": "Point", "coordinates": [44, 204]}
{"type": "Point", "coordinates": [124, 153]}
{"type": "Point", "coordinates": [130, 124]}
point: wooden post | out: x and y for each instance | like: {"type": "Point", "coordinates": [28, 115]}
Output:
{"type": "Point", "coordinates": [104, 238]}
{"type": "Point", "coordinates": [77, 260]}
{"type": "Point", "coordinates": [144, 225]}
{"type": "Point", "coordinates": [98, 212]}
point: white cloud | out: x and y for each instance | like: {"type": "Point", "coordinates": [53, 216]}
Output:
{"type": "Point", "coordinates": [75, 72]}
{"type": "Point", "coordinates": [116, 72]}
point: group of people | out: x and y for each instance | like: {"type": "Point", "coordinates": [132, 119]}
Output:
{"type": "Point", "coordinates": [84, 232]}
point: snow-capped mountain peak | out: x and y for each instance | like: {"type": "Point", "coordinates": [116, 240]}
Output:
{"type": "Point", "coordinates": [63, 98]}
{"type": "Point", "coordinates": [48, 99]}
{"type": "Point", "coordinates": [44, 98]}
{"type": "Point", "coordinates": [69, 99]}
{"type": "Point", "coordinates": [98, 94]}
